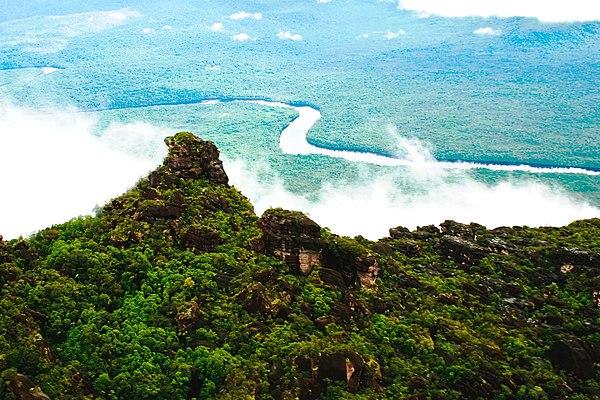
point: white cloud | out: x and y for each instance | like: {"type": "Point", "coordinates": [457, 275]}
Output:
{"type": "Point", "coordinates": [323, 1]}
{"type": "Point", "coordinates": [244, 15]}
{"type": "Point", "coordinates": [217, 27]}
{"type": "Point", "coordinates": [212, 68]}
{"type": "Point", "coordinates": [289, 36]}
{"type": "Point", "coordinates": [487, 31]}
{"type": "Point", "coordinates": [242, 37]}
{"type": "Point", "coordinates": [543, 10]}
{"type": "Point", "coordinates": [168, 28]}
{"type": "Point", "coordinates": [58, 169]}
{"type": "Point", "coordinates": [147, 31]}
{"type": "Point", "coordinates": [369, 206]}
{"type": "Point", "coordinates": [394, 35]}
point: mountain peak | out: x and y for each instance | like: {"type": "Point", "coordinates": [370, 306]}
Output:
{"type": "Point", "coordinates": [191, 157]}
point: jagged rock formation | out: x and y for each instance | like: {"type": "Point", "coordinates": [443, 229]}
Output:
{"type": "Point", "coordinates": [192, 157]}
{"type": "Point", "coordinates": [296, 239]}
{"type": "Point", "coordinates": [293, 237]}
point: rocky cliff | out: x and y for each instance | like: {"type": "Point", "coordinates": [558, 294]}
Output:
{"type": "Point", "coordinates": [176, 289]}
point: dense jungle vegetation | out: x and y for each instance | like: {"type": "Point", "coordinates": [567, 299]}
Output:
{"type": "Point", "coordinates": [177, 290]}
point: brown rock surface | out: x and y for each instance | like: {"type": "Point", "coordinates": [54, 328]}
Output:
{"type": "Point", "coordinates": [25, 389]}
{"type": "Point", "coordinates": [192, 157]}
{"type": "Point", "coordinates": [292, 237]}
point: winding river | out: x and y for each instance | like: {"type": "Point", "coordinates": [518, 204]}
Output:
{"type": "Point", "coordinates": [293, 141]}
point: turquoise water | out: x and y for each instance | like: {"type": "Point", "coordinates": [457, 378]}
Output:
{"type": "Point", "coordinates": [379, 75]}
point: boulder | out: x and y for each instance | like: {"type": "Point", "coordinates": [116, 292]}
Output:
{"type": "Point", "coordinates": [257, 299]}
{"type": "Point", "coordinates": [400, 232]}
{"type": "Point", "coordinates": [408, 247]}
{"type": "Point", "coordinates": [426, 232]}
{"type": "Point", "coordinates": [576, 355]}
{"type": "Point", "coordinates": [292, 237]}
{"type": "Point", "coordinates": [368, 270]}
{"type": "Point", "coordinates": [462, 251]}
{"type": "Point", "coordinates": [358, 267]}
{"type": "Point", "coordinates": [159, 210]}
{"type": "Point", "coordinates": [467, 232]}
{"type": "Point", "coordinates": [575, 256]}
{"type": "Point", "coordinates": [332, 277]}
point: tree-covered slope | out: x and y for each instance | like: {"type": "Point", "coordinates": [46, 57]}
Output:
{"type": "Point", "coordinates": [176, 290]}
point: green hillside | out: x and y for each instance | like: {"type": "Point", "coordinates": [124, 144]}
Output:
{"type": "Point", "coordinates": [177, 290]}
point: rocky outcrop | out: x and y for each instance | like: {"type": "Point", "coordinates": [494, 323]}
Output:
{"type": "Point", "coordinates": [292, 237]}
{"type": "Point", "coordinates": [368, 270]}
{"type": "Point", "coordinates": [25, 389]}
{"type": "Point", "coordinates": [467, 232]}
{"type": "Point", "coordinates": [577, 356]}
{"type": "Point", "coordinates": [462, 251]}
{"type": "Point", "coordinates": [199, 238]}
{"type": "Point", "coordinates": [357, 266]}
{"type": "Point", "coordinates": [341, 366]}
{"type": "Point", "coordinates": [156, 209]}
{"type": "Point", "coordinates": [573, 256]}
{"type": "Point", "coordinates": [192, 157]}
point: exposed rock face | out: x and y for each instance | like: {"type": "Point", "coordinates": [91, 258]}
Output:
{"type": "Point", "coordinates": [160, 210]}
{"type": "Point", "coordinates": [357, 266]}
{"type": "Point", "coordinates": [368, 271]}
{"type": "Point", "coordinates": [192, 157]}
{"type": "Point", "coordinates": [467, 232]}
{"type": "Point", "coordinates": [332, 277]}
{"type": "Point", "coordinates": [400, 232]}
{"type": "Point", "coordinates": [293, 237]}
{"type": "Point", "coordinates": [346, 366]}
{"type": "Point", "coordinates": [200, 238]}
{"type": "Point", "coordinates": [462, 251]}
{"type": "Point", "coordinates": [573, 256]}
{"type": "Point", "coordinates": [576, 355]}
{"type": "Point", "coordinates": [24, 388]}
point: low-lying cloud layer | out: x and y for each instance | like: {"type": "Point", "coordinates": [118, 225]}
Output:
{"type": "Point", "coordinates": [56, 168]}
{"type": "Point", "coordinates": [543, 10]}
{"type": "Point", "coordinates": [411, 198]}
